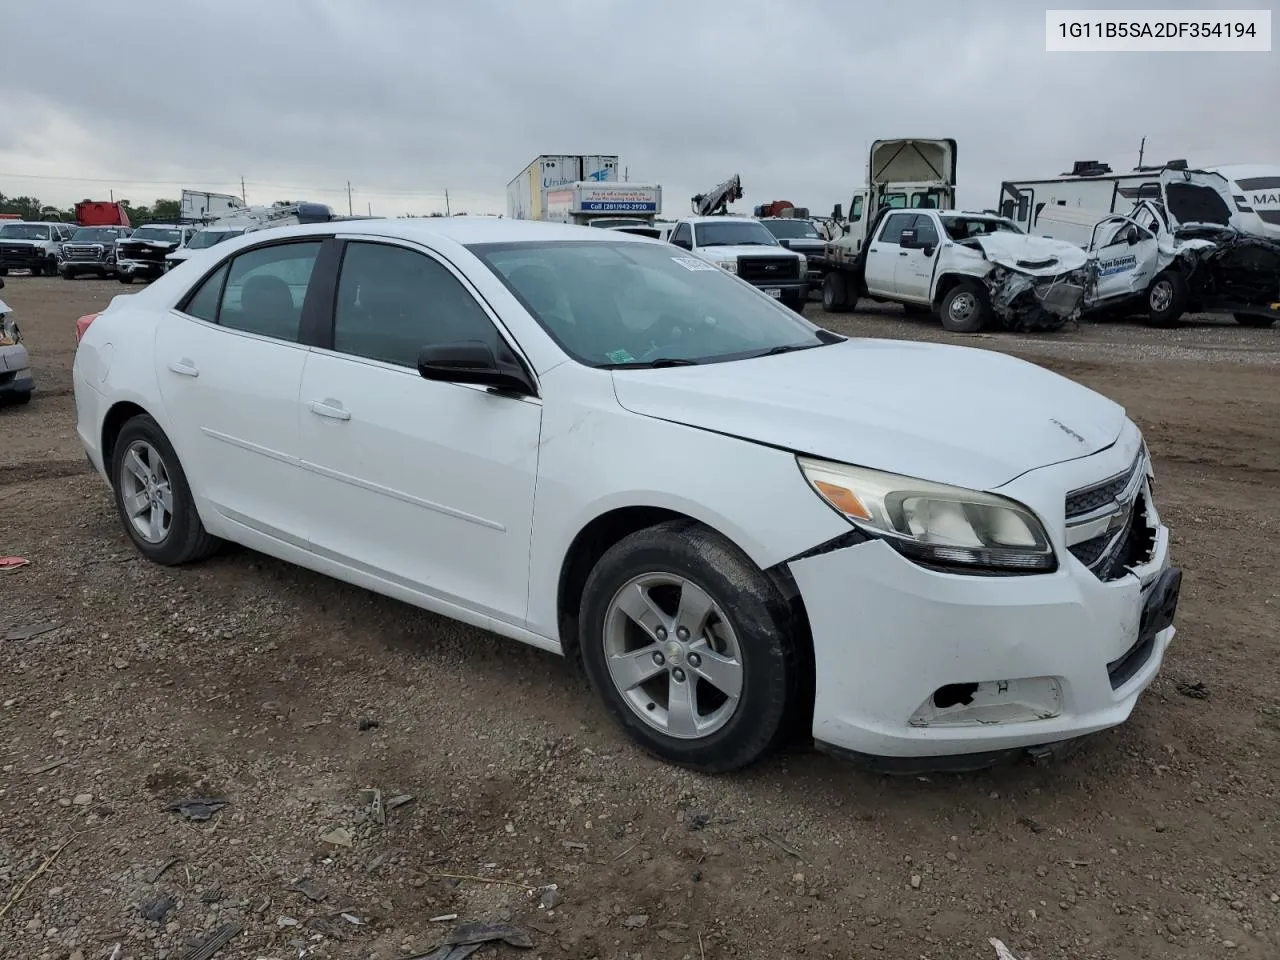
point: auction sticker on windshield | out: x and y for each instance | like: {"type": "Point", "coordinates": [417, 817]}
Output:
{"type": "Point", "coordinates": [693, 263]}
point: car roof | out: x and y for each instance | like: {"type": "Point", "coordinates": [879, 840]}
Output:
{"type": "Point", "coordinates": [461, 230]}
{"type": "Point", "coordinates": [38, 223]}
{"type": "Point", "coordinates": [721, 219]}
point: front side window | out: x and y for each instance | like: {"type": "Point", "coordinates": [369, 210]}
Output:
{"type": "Point", "coordinates": [683, 237]}
{"type": "Point", "coordinates": [733, 233]}
{"type": "Point", "coordinates": [626, 304]}
{"type": "Point", "coordinates": [855, 209]}
{"type": "Point", "coordinates": [926, 232]}
{"type": "Point", "coordinates": [393, 301]}
{"type": "Point", "coordinates": [792, 229]}
{"type": "Point", "coordinates": [894, 224]}
{"type": "Point", "coordinates": [266, 287]}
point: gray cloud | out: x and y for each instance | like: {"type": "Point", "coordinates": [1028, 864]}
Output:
{"type": "Point", "coordinates": [406, 99]}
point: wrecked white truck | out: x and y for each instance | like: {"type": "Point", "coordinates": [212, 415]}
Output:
{"type": "Point", "coordinates": [968, 269]}
{"type": "Point", "coordinates": [1182, 252]}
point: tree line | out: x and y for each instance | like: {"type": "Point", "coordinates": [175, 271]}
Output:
{"type": "Point", "coordinates": [31, 208]}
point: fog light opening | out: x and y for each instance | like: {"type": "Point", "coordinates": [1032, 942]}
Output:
{"type": "Point", "coordinates": [954, 695]}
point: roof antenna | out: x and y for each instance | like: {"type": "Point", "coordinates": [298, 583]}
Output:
{"type": "Point", "coordinates": [1142, 148]}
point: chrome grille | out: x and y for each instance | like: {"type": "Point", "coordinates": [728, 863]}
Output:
{"type": "Point", "coordinates": [1088, 499]}
{"type": "Point", "coordinates": [1107, 526]}
{"type": "Point", "coordinates": [93, 252]}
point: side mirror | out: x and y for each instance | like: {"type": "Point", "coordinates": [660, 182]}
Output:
{"type": "Point", "coordinates": [845, 228]}
{"type": "Point", "coordinates": [836, 212]}
{"type": "Point", "coordinates": [927, 249]}
{"type": "Point", "coordinates": [471, 361]}
{"type": "Point", "coordinates": [909, 241]}
{"type": "Point", "coordinates": [786, 242]}
{"type": "Point", "coordinates": [1132, 237]}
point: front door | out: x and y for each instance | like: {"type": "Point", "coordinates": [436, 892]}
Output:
{"type": "Point", "coordinates": [427, 485]}
{"type": "Point", "coordinates": [230, 365]}
{"type": "Point", "coordinates": [913, 276]}
{"type": "Point", "coordinates": [1126, 259]}
{"type": "Point", "coordinates": [883, 254]}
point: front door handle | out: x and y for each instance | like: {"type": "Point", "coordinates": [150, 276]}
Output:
{"type": "Point", "coordinates": [873, 249]}
{"type": "Point", "coordinates": [331, 409]}
{"type": "Point", "coordinates": [902, 253]}
{"type": "Point", "coordinates": [184, 367]}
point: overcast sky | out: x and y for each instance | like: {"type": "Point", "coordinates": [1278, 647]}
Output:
{"type": "Point", "coordinates": [408, 98]}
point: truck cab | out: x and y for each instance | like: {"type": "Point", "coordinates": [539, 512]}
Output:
{"type": "Point", "coordinates": [745, 247]}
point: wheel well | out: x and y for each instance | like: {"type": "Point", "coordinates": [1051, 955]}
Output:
{"type": "Point", "coordinates": [604, 531]}
{"type": "Point", "coordinates": [945, 285]}
{"type": "Point", "coordinates": [112, 424]}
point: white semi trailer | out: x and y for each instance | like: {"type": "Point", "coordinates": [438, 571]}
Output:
{"type": "Point", "coordinates": [527, 192]}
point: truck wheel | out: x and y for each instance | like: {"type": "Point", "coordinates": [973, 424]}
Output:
{"type": "Point", "coordinates": [1166, 299]}
{"type": "Point", "coordinates": [124, 278]}
{"type": "Point", "coordinates": [964, 309]}
{"type": "Point", "coordinates": [4, 271]}
{"type": "Point", "coordinates": [1254, 320]}
{"type": "Point", "coordinates": [835, 293]}
{"type": "Point", "coordinates": [68, 273]}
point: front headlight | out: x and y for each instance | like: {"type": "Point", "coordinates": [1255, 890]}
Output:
{"type": "Point", "coordinates": [934, 523]}
{"type": "Point", "coordinates": [804, 265]}
{"type": "Point", "coordinates": [9, 332]}
{"type": "Point", "coordinates": [730, 265]}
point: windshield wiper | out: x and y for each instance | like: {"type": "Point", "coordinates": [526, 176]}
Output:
{"type": "Point", "coordinates": [648, 364]}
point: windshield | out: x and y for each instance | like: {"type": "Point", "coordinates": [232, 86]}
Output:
{"type": "Point", "coordinates": [633, 303]}
{"type": "Point", "coordinates": [24, 231]}
{"type": "Point", "coordinates": [961, 228]}
{"type": "Point", "coordinates": [792, 229]}
{"type": "Point", "coordinates": [207, 238]}
{"type": "Point", "coordinates": [158, 234]}
{"type": "Point", "coordinates": [732, 233]}
{"type": "Point", "coordinates": [97, 235]}
{"type": "Point", "coordinates": [615, 222]}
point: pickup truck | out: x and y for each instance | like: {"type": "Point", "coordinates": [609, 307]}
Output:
{"type": "Point", "coordinates": [141, 255]}
{"type": "Point", "coordinates": [33, 246]}
{"type": "Point", "coordinates": [743, 246]}
{"type": "Point", "coordinates": [968, 269]}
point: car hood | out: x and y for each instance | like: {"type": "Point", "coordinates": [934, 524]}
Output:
{"type": "Point", "coordinates": [804, 244]}
{"type": "Point", "coordinates": [960, 415]}
{"type": "Point", "coordinates": [1037, 256]}
{"type": "Point", "coordinates": [747, 250]}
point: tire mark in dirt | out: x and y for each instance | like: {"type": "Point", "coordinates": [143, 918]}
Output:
{"type": "Point", "coordinates": [42, 470]}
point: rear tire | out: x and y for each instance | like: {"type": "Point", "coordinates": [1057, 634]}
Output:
{"type": "Point", "coordinates": [1254, 320]}
{"type": "Point", "coordinates": [964, 308]}
{"type": "Point", "coordinates": [124, 278]}
{"type": "Point", "coordinates": [153, 497]}
{"type": "Point", "coordinates": [18, 399]}
{"type": "Point", "coordinates": [835, 293]}
{"type": "Point", "coordinates": [708, 612]}
{"type": "Point", "coordinates": [1166, 300]}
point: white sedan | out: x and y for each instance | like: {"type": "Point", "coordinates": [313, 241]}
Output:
{"type": "Point", "coordinates": [745, 525]}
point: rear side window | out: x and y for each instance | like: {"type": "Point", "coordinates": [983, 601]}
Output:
{"type": "Point", "coordinates": [203, 304]}
{"type": "Point", "coordinates": [266, 287]}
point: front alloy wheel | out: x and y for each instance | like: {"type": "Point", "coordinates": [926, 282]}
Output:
{"type": "Point", "coordinates": [692, 648]}
{"type": "Point", "coordinates": [673, 656]}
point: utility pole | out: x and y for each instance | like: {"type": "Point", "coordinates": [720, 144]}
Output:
{"type": "Point", "coordinates": [242, 193]}
{"type": "Point", "coordinates": [446, 204]}
{"type": "Point", "coordinates": [113, 195]}
{"type": "Point", "coordinates": [349, 211]}
{"type": "Point", "coordinates": [1142, 148]}
{"type": "Point", "coordinates": [371, 208]}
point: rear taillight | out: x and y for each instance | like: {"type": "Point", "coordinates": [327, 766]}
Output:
{"type": "Point", "coordinates": [83, 324]}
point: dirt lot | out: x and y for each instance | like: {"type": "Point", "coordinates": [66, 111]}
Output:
{"type": "Point", "coordinates": [286, 694]}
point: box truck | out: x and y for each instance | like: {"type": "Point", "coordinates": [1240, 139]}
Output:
{"type": "Point", "coordinates": [527, 193]}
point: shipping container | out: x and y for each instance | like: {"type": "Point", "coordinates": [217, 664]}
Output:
{"type": "Point", "coordinates": [601, 169]}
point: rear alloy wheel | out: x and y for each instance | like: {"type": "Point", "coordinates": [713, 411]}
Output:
{"type": "Point", "coordinates": [689, 646]}
{"type": "Point", "coordinates": [153, 498]}
{"type": "Point", "coordinates": [964, 308]}
{"type": "Point", "coordinates": [1254, 319]}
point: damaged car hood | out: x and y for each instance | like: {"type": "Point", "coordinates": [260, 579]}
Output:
{"type": "Point", "coordinates": [959, 415]}
{"type": "Point", "coordinates": [1037, 256]}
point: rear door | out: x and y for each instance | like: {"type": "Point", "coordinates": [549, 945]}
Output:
{"type": "Point", "coordinates": [230, 361]}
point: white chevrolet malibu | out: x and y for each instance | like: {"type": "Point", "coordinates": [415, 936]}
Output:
{"type": "Point", "coordinates": [598, 444]}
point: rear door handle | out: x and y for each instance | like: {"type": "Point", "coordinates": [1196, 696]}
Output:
{"type": "Point", "coordinates": [184, 367]}
{"type": "Point", "coordinates": [330, 408]}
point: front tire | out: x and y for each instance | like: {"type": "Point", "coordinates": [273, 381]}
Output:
{"type": "Point", "coordinates": [1166, 299]}
{"type": "Point", "coordinates": [153, 498]}
{"type": "Point", "coordinates": [964, 309]}
{"type": "Point", "coordinates": [124, 278]}
{"type": "Point", "coordinates": [689, 646]}
{"type": "Point", "coordinates": [68, 273]}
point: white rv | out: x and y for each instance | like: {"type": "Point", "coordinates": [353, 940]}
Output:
{"type": "Point", "coordinates": [1095, 186]}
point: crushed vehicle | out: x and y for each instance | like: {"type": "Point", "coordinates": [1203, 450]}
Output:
{"type": "Point", "coordinates": [141, 256]}
{"type": "Point", "coordinates": [33, 245]}
{"type": "Point", "coordinates": [1174, 254]}
{"type": "Point", "coordinates": [966, 268]}
{"type": "Point", "coordinates": [16, 382]}
{"type": "Point", "coordinates": [91, 250]}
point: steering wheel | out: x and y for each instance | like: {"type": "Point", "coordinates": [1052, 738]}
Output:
{"type": "Point", "coordinates": [676, 329]}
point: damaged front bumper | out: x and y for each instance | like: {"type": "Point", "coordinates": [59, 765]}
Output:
{"type": "Point", "coordinates": [921, 669]}
{"type": "Point", "coordinates": [1022, 301]}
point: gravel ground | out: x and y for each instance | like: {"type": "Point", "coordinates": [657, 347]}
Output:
{"type": "Point", "coordinates": [286, 695]}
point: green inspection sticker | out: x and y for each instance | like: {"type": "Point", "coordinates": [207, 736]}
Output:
{"type": "Point", "coordinates": [619, 356]}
